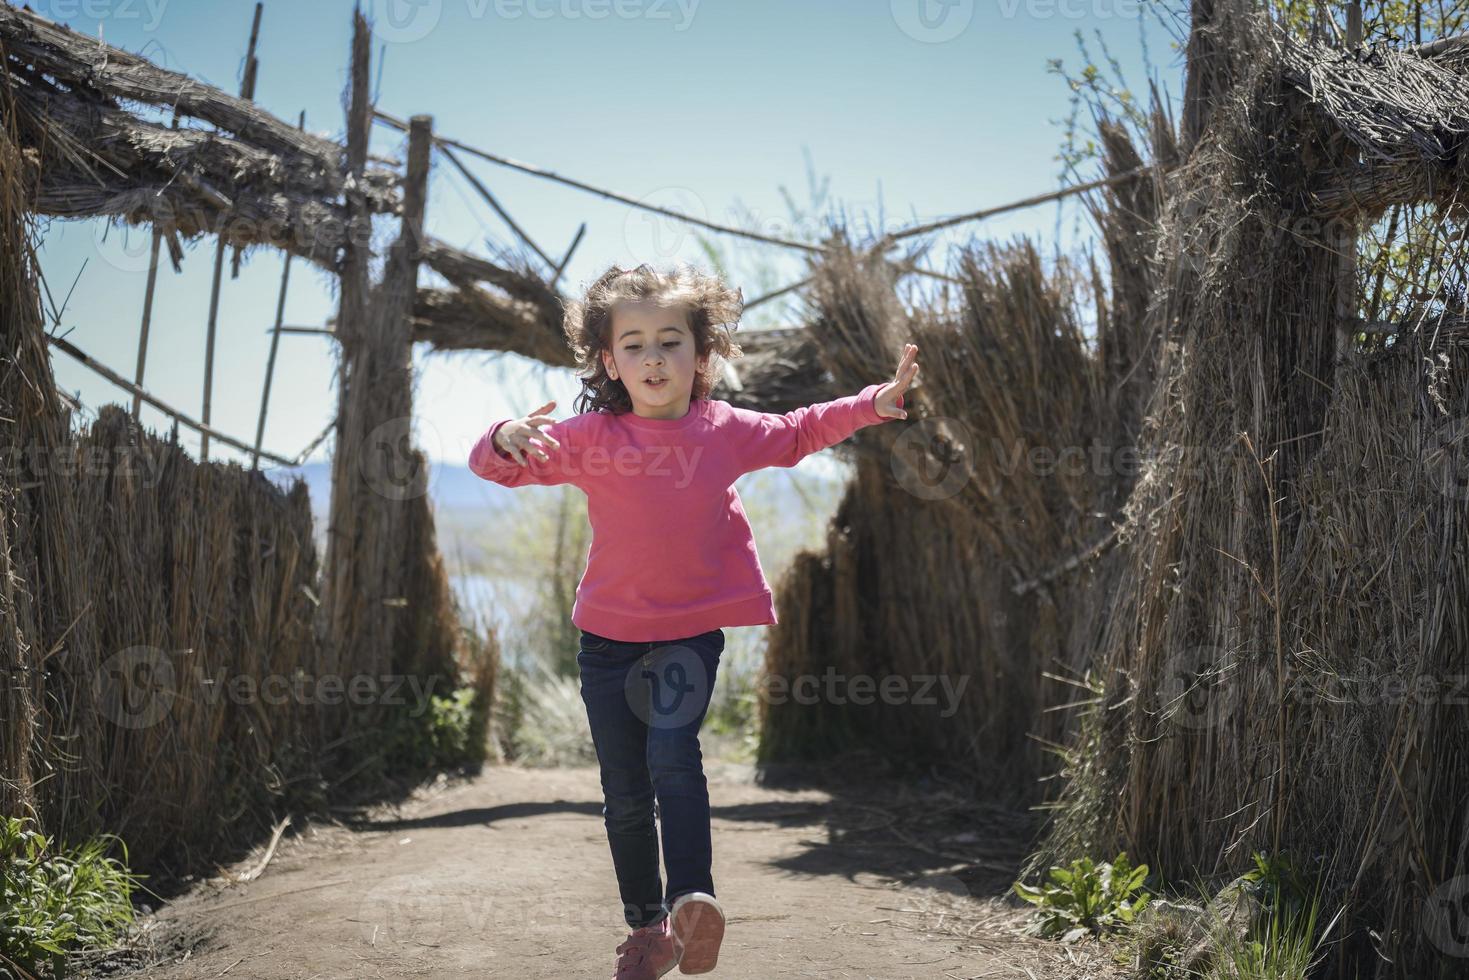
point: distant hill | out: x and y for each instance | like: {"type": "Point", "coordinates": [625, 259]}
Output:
{"type": "Point", "coordinates": [459, 494]}
{"type": "Point", "coordinates": [451, 487]}
{"type": "Point", "coordinates": [468, 509]}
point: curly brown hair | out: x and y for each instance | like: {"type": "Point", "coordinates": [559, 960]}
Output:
{"type": "Point", "coordinates": [713, 308]}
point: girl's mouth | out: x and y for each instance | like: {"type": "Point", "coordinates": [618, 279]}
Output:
{"type": "Point", "coordinates": [656, 383]}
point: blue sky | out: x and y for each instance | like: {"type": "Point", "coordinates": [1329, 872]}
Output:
{"type": "Point", "coordinates": [910, 110]}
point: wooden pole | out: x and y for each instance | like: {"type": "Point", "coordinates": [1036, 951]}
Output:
{"type": "Point", "coordinates": [275, 343]}
{"type": "Point", "coordinates": [484, 192]}
{"type": "Point", "coordinates": [247, 92]}
{"type": "Point", "coordinates": [209, 344]}
{"type": "Point", "coordinates": [323, 331]}
{"type": "Point", "coordinates": [355, 249]}
{"type": "Point", "coordinates": [415, 193]}
{"type": "Point", "coordinates": [351, 576]}
{"type": "Point", "coordinates": [561, 266]}
{"type": "Point", "coordinates": [442, 142]}
{"type": "Point", "coordinates": [148, 308]}
{"type": "Point", "coordinates": [147, 320]}
{"type": "Point", "coordinates": [1346, 287]}
{"type": "Point", "coordinates": [123, 383]}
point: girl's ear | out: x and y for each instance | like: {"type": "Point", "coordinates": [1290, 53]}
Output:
{"type": "Point", "coordinates": [609, 365]}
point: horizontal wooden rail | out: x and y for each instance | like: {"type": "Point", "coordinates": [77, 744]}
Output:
{"type": "Point", "coordinates": [213, 433]}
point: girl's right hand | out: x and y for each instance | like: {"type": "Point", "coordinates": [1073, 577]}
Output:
{"type": "Point", "coordinates": [518, 437]}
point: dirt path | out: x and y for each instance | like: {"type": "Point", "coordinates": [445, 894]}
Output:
{"type": "Point", "coordinates": [509, 875]}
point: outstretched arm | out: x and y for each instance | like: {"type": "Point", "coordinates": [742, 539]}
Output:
{"type": "Point", "coordinates": [890, 398]}
{"type": "Point", "coordinates": [531, 456]}
{"type": "Point", "coordinates": [761, 439]}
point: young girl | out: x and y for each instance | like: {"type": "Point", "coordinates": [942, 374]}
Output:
{"type": "Point", "coordinates": [672, 561]}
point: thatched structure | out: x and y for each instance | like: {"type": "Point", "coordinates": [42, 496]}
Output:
{"type": "Point", "coordinates": [1262, 614]}
{"type": "Point", "coordinates": [1193, 555]}
{"type": "Point", "coordinates": [255, 181]}
{"type": "Point", "coordinates": [155, 607]}
{"type": "Point", "coordinates": [1269, 543]}
{"type": "Point", "coordinates": [388, 605]}
{"type": "Point", "coordinates": [135, 579]}
{"type": "Point", "coordinates": [1300, 534]}
{"type": "Point", "coordinates": [940, 519]}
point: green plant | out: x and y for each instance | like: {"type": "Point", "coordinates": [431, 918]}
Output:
{"type": "Point", "coordinates": [1275, 881]}
{"type": "Point", "coordinates": [541, 719]}
{"type": "Point", "coordinates": [1282, 947]}
{"type": "Point", "coordinates": [55, 902]}
{"type": "Point", "coordinates": [1086, 897]}
{"type": "Point", "coordinates": [451, 732]}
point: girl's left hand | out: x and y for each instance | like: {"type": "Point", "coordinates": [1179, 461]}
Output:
{"type": "Point", "coordinates": [888, 395]}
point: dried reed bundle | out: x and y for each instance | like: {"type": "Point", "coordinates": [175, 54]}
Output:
{"type": "Point", "coordinates": [1295, 554]}
{"type": "Point", "coordinates": [256, 181]}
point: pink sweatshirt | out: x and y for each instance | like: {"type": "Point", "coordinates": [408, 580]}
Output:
{"type": "Point", "coordinates": [672, 553]}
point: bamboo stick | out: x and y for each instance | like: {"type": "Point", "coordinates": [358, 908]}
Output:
{"type": "Point", "coordinates": [148, 307]}
{"type": "Point", "coordinates": [275, 343]}
{"type": "Point", "coordinates": [561, 266]}
{"type": "Point", "coordinates": [442, 142]}
{"type": "Point", "coordinates": [178, 416]}
{"type": "Point", "coordinates": [147, 317]}
{"type": "Point", "coordinates": [484, 192]}
{"type": "Point", "coordinates": [247, 93]}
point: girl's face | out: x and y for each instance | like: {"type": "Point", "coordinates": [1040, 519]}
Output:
{"type": "Point", "coordinates": [653, 354]}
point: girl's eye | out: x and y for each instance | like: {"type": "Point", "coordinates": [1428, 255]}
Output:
{"type": "Point", "coordinates": [671, 343]}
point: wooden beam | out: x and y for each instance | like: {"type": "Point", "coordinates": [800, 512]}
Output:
{"type": "Point", "coordinates": [566, 259]}
{"type": "Point", "coordinates": [247, 93]}
{"type": "Point", "coordinates": [1346, 284]}
{"type": "Point", "coordinates": [117, 379]}
{"type": "Point", "coordinates": [1444, 47]}
{"type": "Point", "coordinates": [275, 343]}
{"type": "Point", "coordinates": [147, 318]}
{"type": "Point", "coordinates": [415, 188]}
{"type": "Point", "coordinates": [484, 192]}
{"type": "Point", "coordinates": [354, 575]}
{"type": "Point", "coordinates": [442, 142]}
{"type": "Point", "coordinates": [101, 68]}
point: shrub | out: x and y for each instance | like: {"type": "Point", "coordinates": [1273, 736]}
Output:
{"type": "Point", "coordinates": [52, 903]}
{"type": "Point", "coordinates": [1086, 898]}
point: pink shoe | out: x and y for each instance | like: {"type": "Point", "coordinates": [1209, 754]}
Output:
{"type": "Point", "coordinates": [698, 929]}
{"type": "Point", "coordinates": [646, 953]}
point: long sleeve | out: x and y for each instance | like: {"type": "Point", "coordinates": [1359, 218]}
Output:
{"type": "Point", "coordinates": [761, 439]}
{"type": "Point", "coordinates": [489, 463]}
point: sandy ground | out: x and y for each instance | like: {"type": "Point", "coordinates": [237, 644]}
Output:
{"type": "Point", "coordinates": [508, 874]}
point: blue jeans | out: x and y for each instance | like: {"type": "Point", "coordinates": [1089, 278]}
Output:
{"type": "Point", "coordinates": [645, 702]}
